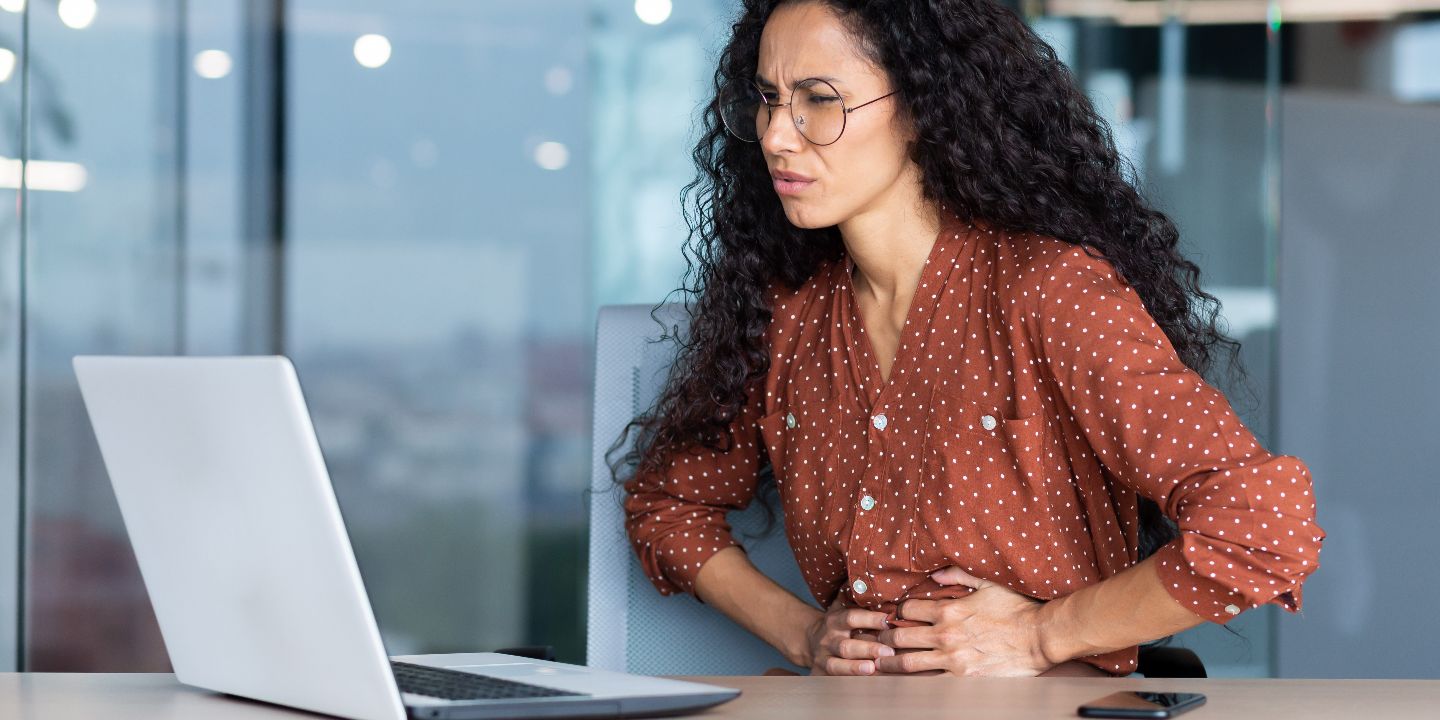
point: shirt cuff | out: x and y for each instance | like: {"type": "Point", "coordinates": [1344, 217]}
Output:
{"type": "Point", "coordinates": [1117, 663]}
{"type": "Point", "coordinates": [680, 565]}
{"type": "Point", "coordinates": [1201, 593]}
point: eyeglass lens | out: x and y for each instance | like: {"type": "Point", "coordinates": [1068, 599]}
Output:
{"type": "Point", "coordinates": [815, 108]}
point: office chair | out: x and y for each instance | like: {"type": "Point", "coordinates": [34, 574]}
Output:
{"type": "Point", "coordinates": [632, 627]}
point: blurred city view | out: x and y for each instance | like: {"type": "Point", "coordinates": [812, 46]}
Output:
{"type": "Point", "coordinates": [424, 205]}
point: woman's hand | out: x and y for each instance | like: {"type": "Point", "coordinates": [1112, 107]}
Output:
{"type": "Point", "coordinates": [835, 648]}
{"type": "Point", "coordinates": [992, 631]}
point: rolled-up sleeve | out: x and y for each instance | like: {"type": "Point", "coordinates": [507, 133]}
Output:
{"type": "Point", "coordinates": [1248, 534]}
{"type": "Point", "coordinates": [676, 520]}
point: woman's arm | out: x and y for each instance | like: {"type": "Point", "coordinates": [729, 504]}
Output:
{"type": "Point", "coordinates": [676, 522]}
{"type": "Point", "coordinates": [1126, 609]}
{"type": "Point", "coordinates": [729, 582]}
{"type": "Point", "coordinates": [1246, 516]}
{"type": "Point", "coordinates": [998, 631]}
{"type": "Point", "coordinates": [676, 518]}
{"type": "Point", "coordinates": [824, 641]}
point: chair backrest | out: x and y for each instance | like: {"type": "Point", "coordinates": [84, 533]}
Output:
{"type": "Point", "coordinates": [632, 627]}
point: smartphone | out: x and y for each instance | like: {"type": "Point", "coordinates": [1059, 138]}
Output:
{"type": "Point", "coordinates": [1141, 705]}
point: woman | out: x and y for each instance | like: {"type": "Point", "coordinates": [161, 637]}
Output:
{"type": "Point", "coordinates": [972, 356]}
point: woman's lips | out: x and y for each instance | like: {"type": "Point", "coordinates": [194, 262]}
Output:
{"type": "Point", "coordinates": [791, 187]}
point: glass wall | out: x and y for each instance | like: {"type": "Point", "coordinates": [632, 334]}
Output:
{"type": "Point", "coordinates": [101, 228]}
{"type": "Point", "coordinates": [395, 198]}
{"type": "Point", "coordinates": [12, 324]}
{"type": "Point", "coordinates": [423, 205]}
{"type": "Point", "coordinates": [652, 73]}
{"type": "Point", "coordinates": [437, 304]}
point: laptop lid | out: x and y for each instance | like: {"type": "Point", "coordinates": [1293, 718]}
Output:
{"type": "Point", "coordinates": [227, 502]}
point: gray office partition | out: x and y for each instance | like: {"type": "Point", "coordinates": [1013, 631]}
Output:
{"type": "Point", "coordinates": [1359, 399]}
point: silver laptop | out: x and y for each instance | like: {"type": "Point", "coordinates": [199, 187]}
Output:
{"type": "Point", "coordinates": [229, 507]}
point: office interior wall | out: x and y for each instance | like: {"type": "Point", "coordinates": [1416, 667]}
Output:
{"type": "Point", "coordinates": [1360, 155]}
{"type": "Point", "coordinates": [1358, 401]}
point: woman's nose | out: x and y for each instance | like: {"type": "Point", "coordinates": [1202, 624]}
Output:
{"type": "Point", "coordinates": [781, 133]}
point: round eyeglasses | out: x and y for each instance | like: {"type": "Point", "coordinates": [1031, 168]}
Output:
{"type": "Point", "coordinates": [816, 108]}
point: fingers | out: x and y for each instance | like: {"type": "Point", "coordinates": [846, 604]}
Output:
{"type": "Point", "coordinates": [843, 666]}
{"type": "Point", "coordinates": [956, 575]}
{"type": "Point", "coordinates": [923, 610]}
{"type": "Point", "coordinates": [862, 649]}
{"type": "Point", "coordinates": [920, 636]}
{"type": "Point", "coordinates": [863, 619]}
{"type": "Point", "coordinates": [845, 654]}
{"type": "Point", "coordinates": [911, 662]}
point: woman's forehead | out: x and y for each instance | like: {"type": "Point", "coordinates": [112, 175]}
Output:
{"type": "Point", "coordinates": [804, 40]}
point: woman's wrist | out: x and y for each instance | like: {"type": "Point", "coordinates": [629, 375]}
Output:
{"type": "Point", "coordinates": [1052, 632]}
{"type": "Point", "coordinates": [797, 640]}
{"type": "Point", "coordinates": [729, 583]}
{"type": "Point", "coordinates": [1125, 609]}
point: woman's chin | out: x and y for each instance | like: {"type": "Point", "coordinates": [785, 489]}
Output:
{"type": "Point", "coordinates": [805, 218]}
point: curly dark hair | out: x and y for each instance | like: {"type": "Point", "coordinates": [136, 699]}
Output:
{"type": "Point", "coordinates": [1003, 134]}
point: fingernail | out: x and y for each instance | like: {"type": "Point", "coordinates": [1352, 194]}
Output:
{"type": "Point", "coordinates": [867, 668]}
{"type": "Point", "coordinates": [886, 651]}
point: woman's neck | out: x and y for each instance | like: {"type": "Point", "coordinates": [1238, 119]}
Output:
{"type": "Point", "coordinates": [889, 246]}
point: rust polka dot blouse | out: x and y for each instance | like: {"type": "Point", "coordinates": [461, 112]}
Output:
{"type": "Point", "coordinates": [1031, 401]}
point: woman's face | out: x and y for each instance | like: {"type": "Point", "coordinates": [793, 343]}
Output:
{"type": "Point", "coordinates": [864, 168]}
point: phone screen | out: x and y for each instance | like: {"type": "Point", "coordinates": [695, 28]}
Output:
{"type": "Point", "coordinates": [1141, 705]}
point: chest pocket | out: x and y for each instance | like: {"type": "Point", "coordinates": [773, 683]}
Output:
{"type": "Point", "coordinates": [983, 483]}
{"type": "Point", "coordinates": [816, 448]}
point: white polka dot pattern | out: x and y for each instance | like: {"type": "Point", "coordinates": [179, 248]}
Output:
{"type": "Point", "coordinates": [1246, 516]}
{"type": "Point", "coordinates": [1031, 398]}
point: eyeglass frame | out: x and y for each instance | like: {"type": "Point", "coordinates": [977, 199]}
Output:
{"type": "Point", "coordinates": [770, 110]}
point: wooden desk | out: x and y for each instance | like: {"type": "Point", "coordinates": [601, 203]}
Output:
{"type": "Point", "coordinates": [78, 696]}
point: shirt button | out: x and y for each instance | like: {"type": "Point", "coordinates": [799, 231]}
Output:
{"type": "Point", "coordinates": [1232, 609]}
{"type": "Point", "coordinates": [860, 586]}
{"type": "Point", "coordinates": [867, 503]}
{"type": "Point", "coordinates": [879, 421]}
{"type": "Point", "coordinates": [790, 421]}
{"type": "Point", "coordinates": [987, 422]}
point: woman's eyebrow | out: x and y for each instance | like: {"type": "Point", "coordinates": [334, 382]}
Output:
{"type": "Point", "coordinates": [762, 82]}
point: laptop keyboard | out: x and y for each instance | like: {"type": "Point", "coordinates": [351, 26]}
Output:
{"type": "Point", "coordinates": [448, 684]}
